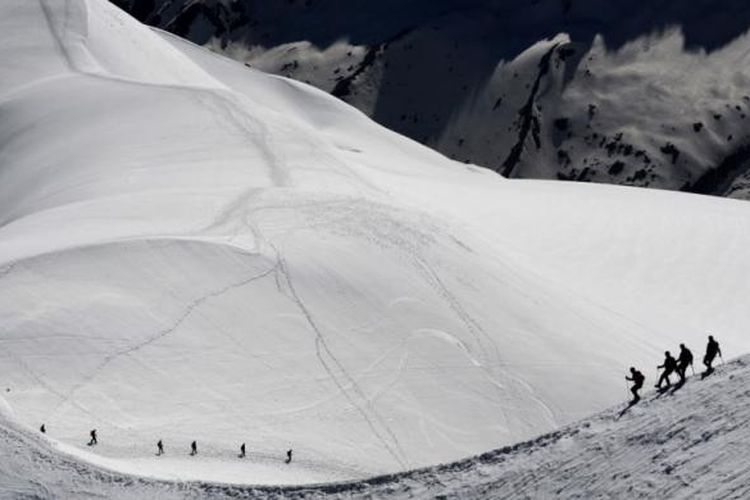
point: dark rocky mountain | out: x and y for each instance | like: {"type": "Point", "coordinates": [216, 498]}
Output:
{"type": "Point", "coordinates": [640, 93]}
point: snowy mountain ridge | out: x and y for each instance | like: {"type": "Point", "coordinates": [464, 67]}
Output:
{"type": "Point", "coordinates": [636, 93]}
{"type": "Point", "coordinates": [683, 444]}
{"type": "Point", "coordinates": [194, 250]}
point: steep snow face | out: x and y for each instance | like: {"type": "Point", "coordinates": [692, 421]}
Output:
{"type": "Point", "coordinates": [639, 94]}
{"type": "Point", "coordinates": [191, 249]}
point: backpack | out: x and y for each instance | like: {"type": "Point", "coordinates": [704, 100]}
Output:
{"type": "Point", "coordinates": [712, 349]}
{"type": "Point", "coordinates": [670, 364]}
{"type": "Point", "coordinates": [687, 357]}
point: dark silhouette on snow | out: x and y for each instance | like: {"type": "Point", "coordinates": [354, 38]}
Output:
{"type": "Point", "coordinates": [93, 440]}
{"type": "Point", "coordinates": [712, 349]}
{"type": "Point", "coordinates": [669, 366]}
{"type": "Point", "coordinates": [159, 448]}
{"type": "Point", "coordinates": [43, 429]}
{"type": "Point", "coordinates": [288, 456]}
{"type": "Point", "coordinates": [242, 451]}
{"type": "Point", "coordinates": [193, 448]}
{"type": "Point", "coordinates": [637, 378]}
{"type": "Point", "coordinates": [684, 360]}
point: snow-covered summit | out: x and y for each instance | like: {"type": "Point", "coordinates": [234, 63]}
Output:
{"type": "Point", "coordinates": [194, 250]}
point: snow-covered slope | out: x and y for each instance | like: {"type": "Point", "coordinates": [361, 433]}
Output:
{"type": "Point", "coordinates": [191, 249]}
{"type": "Point", "coordinates": [640, 93]}
{"type": "Point", "coordinates": [689, 443]}
{"type": "Point", "coordinates": [685, 444]}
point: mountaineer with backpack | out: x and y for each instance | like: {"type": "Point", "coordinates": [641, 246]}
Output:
{"type": "Point", "coordinates": [637, 378]}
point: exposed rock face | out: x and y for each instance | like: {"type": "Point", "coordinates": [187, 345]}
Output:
{"type": "Point", "coordinates": [649, 95]}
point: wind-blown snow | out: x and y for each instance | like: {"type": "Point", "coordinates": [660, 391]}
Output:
{"type": "Point", "coordinates": [190, 249]}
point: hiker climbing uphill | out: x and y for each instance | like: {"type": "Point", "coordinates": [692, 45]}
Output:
{"type": "Point", "coordinates": [669, 366]}
{"type": "Point", "coordinates": [193, 449]}
{"type": "Point", "coordinates": [637, 378]}
{"type": "Point", "coordinates": [159, 448]}
{"type": "Point", "coordinates": [684, 360]}
{"type": "Point", "coordinates": [93, 440]}
{"type": "Point", "coordinates": [712, 349]}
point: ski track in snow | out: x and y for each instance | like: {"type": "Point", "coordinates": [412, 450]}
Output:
{"type": "Point", "coordinates": [43, 383]}
{"type": "Point", "coordinates": [371, 416]}
{"type": "Point", "coordinates": [365, 407]}
{"type": "Point", "coordinates": [189, 310]}
{"type": "Point", "coordinates": [476, 331]}
{"type": "Point", "coordinates": [226, 102]}
{"type": "Point", "coordinates": [255, 130]}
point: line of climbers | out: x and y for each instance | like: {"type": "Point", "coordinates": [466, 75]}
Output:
{"type": "Point", "coordinates": [670, 366]}
{"type": "Point", "coordinates": [679, 366]}
{"type": "Point", "coordinates": [160, 445]}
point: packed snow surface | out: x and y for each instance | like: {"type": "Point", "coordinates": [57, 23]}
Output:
{"type": "Point", "coordinates": [194, 250]}
{"type": "Point", "coordinates": [689, 442]}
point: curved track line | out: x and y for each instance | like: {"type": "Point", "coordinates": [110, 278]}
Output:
{"type": "Point", "coordinates": [323, 351]}
{"type": "Point", "coordinates": [189, 310]}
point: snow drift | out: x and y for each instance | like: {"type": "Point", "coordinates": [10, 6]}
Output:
{"type": "Point", "coordinates": [190, 249]}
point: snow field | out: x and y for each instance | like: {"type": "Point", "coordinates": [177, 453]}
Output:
{"type": "Point", "coordinates": [193, 250]}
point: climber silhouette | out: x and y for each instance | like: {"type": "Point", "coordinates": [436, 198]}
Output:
{"type": "Point", "coordinates": [684, 360]}
{"type": "Point", "coordinates": [669, 366]}
{"type": "Point", "coordinates": [242, 451]}
{"type": "Point", "coordinates": [712, 349]}
{"type": "Point", "coordinates": [288, 456]}
{"type": "Point", "coordinates": [193, 448]}
{"type": "Point", "coordinates": [637, 378]}
{"type": "Point", "coordinates": [93, 440]}
{"type": "Point", "coordinates": [159, 448]}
